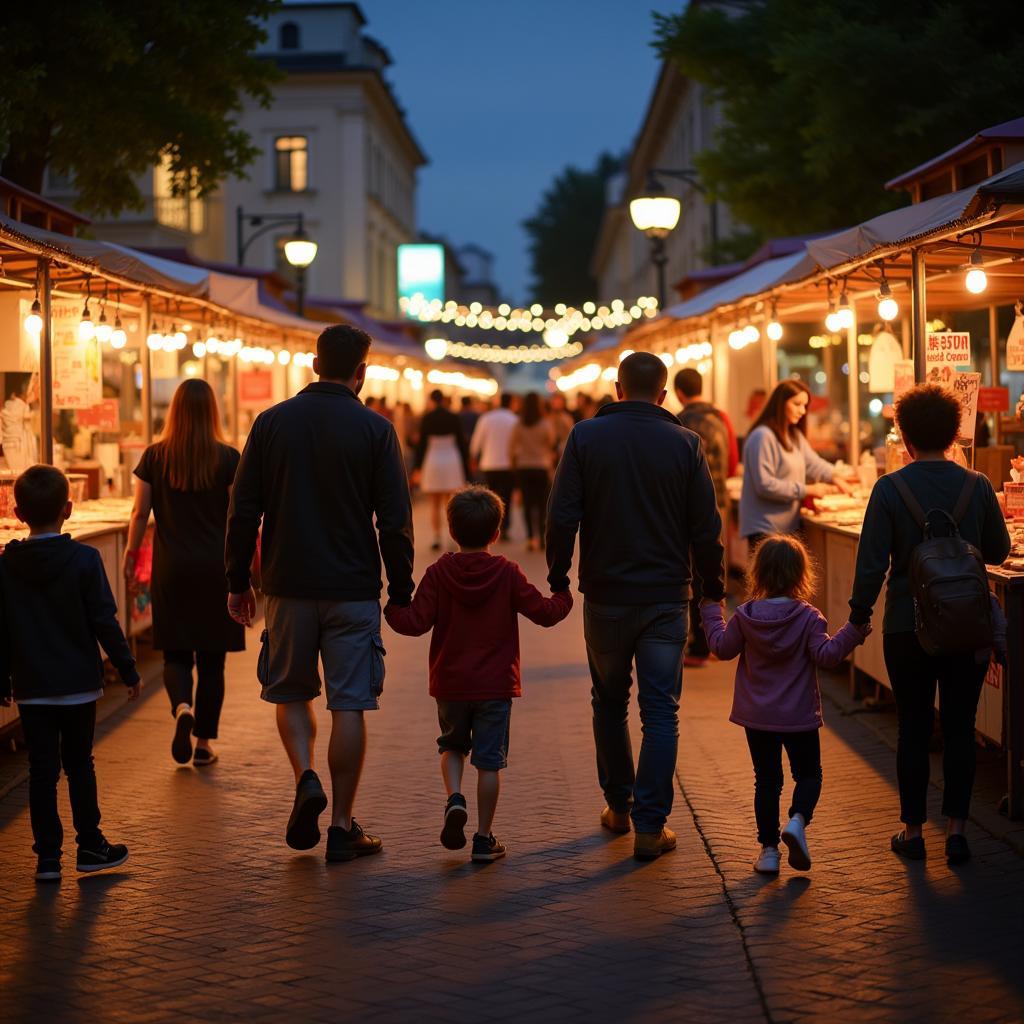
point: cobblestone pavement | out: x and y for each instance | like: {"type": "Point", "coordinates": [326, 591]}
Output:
{"type": "Point", "coordinates": [214, 918]}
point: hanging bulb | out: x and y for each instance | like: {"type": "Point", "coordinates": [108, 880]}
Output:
{"type": "Point", "coordinates": [888, 307]}
{"type": "Point", "coordinates": [103, 329]}
{"type": "Point", "coordinates": [844, 314]}
{"type": "Point", "coordinates": [976, 280]}
{"type": "Point", "coordinates": [118, 338]}
{"type": "Point", "coordinates": [751, 334]}
{"type": "Point", "coordinates": [774, 330]}
{"type": "Point", "coordinates": [199, 349]}
{"type": "Point", "coordinates": [86, 328]}
{"type": "Point", "coordinates": [34, 320]}
{"type": "Point", "coordinates": [736, 340]}
{"type": "Point", "coordinates": [154, 340]}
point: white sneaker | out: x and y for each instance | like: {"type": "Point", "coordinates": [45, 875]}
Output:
{"type": "Point", "coordinates": [768, 862]}
{"type": "Point", "coordinates": [794, 838]}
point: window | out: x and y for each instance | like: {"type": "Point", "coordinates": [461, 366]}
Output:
{"type": "Point", "coordinates": [290, 170]}
{"type": "Point", "coordinates": [289, 36]}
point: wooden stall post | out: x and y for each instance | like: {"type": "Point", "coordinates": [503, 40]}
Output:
{"type": "Point", "coordinates": [45, 365]}
{"type": "Point", "coordinates": [853, 387]}
{"type": "Point", "coordinates": [146, 361]}
{"type": "Point", "coordinates": [993, 348]}
{"type": "Point", "coordinates": [919, 312]}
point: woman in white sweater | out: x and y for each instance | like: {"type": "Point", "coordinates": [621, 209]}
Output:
{"type": "Point", "coordinates": [780, 468]}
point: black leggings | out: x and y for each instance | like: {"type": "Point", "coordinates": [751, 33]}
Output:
{"type": "Point", "coordinates": [804, 752]}
{"type": "Point", "coordinates": [914, 675]}
{"type": "Point", "coordinates": [535, 485]}
{"type": "Point", "coordinates": [209, 686]}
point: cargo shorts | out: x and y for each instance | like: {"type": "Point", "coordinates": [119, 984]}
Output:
{"type": "Point", "coordinates": [302, 633]}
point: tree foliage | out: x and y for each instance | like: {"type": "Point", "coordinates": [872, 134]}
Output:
{"type": "Point", "coordinates": [825, 100]}
{"type": "Point", "coordinates": [563, 231]}
{"type": "Point", "coordinates": [101, 90]}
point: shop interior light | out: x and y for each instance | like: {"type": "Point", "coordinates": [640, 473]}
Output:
{"type": "Point", "coordinates": [888, 307]}
{"type": "Point", "coordinates": [436, 348]}
{"type": "Point", "coordinates": [976, 280]}
{"type": "Point", "coordinates": [34, 320]}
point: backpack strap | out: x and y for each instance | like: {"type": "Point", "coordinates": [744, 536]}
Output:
{"type": "Point", "coordinates": [962, 503]}
{"type": "Point", "coordinates": [913, 505]}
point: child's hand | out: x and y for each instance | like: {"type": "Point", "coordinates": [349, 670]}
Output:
{"type": "Point", "coordinates": [864, 628]}
{"type": "Point", "coordinates": [134, 691]}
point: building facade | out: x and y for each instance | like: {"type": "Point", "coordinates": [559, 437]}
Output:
{"type": "Point", "coordinates": [335, 147]}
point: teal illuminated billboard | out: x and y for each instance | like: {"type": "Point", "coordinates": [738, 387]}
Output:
{"type": "Point", "coordinates": [420, 275]}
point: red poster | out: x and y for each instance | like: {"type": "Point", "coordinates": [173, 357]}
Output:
{"type": "Point", "coordinates": [1014, 500]}
{"type": "Point", "coordinates": [255, 387]}
{"type": "Point", "coordinates": [106, 416]}
{"type": "Point", "coordinates": [993, 399]}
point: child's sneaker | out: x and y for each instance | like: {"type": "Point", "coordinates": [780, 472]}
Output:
{"type": "Point", "coordinates": [181, 745]}
{"type": "Point", "coordinates": [768, 862]}
{"type": "Point", "coordinates": [486, 849]}
{"type": "Point", "coordinates": [453, 835]}
{"type": "Point", "coordinates": [794, 838]}
{"type": "Point", "coordinates": [105, 855]}
{"type": "Point", "coordinates": [48, 869]}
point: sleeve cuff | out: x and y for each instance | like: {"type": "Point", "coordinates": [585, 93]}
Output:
{"type": "Point", "coordinates": [801, 490]}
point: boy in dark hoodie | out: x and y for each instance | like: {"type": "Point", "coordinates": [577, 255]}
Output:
{"type": "Point", "coordinates": [472, 600]}
{"type": "Point", "coordinates": [55, 604]}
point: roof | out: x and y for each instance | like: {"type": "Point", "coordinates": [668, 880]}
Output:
{"type": "Point", "coordinates": [34, 201]}
{"type": "Point", "coordinates": [1008, 131]}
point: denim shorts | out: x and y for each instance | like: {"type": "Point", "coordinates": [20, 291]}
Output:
{"type": "Point", "coordinates": [480, 726]}
{"type": "Point", "coordinates": [343, 635]}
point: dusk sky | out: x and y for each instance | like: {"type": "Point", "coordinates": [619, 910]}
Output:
{"type": "Point", "coordinates": [503, 96]}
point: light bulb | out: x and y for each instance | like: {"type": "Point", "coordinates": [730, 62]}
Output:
{"type": "Point", "coordinates": [976, 280]}
{"type": "Point", "coordinates": [103, 329]}
{"type": "Point", "coordinates": [34, 321]}
{"type": "Point", "coordinates": [198, 349]}
{"type": "Point", "coordinates": [832, 322]}
{"type": "Point", "coordinates": [436, 348]}
{"type": "Point", "coordinates": [625, 354]}
{"type": "Point", "coordinates": [774, 330]}
{"type": "Point", "coordinates": [736, 339]}
{"type": "Point", "coordinates": [284, 357]}
{"type": "Point", "coordinates": [86, 328]}
{"type": "Point", "coordinates": [668, 359]}
{"type": "Point", "coordinates": [751, 334]}
{"type": "Point", "coordinates": [118, 338]}
{"type": "Point", "coordinates": [888, 308]}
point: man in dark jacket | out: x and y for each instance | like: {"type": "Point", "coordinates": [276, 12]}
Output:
{"type": "Point", "coordinates": [316, 470]}
{"type": "Point", "coordinates": [636, 485]}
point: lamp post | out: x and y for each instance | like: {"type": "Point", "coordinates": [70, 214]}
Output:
{"type": "Point", "coordinates": [299, 250]}
{"type": "Point", "coordinates": [656, 215]}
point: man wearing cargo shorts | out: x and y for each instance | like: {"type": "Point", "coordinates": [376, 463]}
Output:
{"type": "Point", "coordinates": [316, 471]}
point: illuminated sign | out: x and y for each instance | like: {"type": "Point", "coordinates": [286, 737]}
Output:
{"type": "Point", "coordinates": [421, 272]}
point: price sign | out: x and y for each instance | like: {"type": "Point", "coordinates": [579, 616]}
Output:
{"type": "Point", "coordinates": [1014, 500]}
{"type": "Point", "coordinates": [944, 351]}
{"type": "Point", "coordinates": [1015, 346]}
{"type": "Point", "coordinates": [255, 387]}
{"type": "Point", "coordinates": [965, 388]}
{"type": "Point", "coordinates": [903, 376]}
{"type": "Point", "coordinates": [993, 399]}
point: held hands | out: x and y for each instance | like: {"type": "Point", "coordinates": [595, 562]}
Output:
{"type": "Point", "coordinates": [864, 628]}
{"type": "Point", "coordinates": [242, 607]}
{"type": "Point", "coordinates": [134, 691]}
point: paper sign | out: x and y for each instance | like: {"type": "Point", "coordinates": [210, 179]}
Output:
{"type": "Point", "coordinates": [903, 376]}
{"type": "Point", "coordinates": [105, 417]}
{"type": "Point", "coordinates": [255, 387]}
{"type": "Point", "coordinates": [945, 350]}
{"type": "Point", "coordinates": [965, 388]}
{"type": "Point", "coordinates": [1014, 500]}
{"type": "Point", "coordinates": [1015, 345]}
{"type": "Point", "coordinates": [77, 380]}
{"type": "Point", "coordinates": [993, 399]}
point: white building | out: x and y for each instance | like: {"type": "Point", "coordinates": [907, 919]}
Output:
{"type": "Point", "coordinates": [680, 121]}
{"type": "Point", "coordinates": [335, 147]}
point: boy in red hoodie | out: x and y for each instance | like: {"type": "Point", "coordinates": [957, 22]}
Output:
{"type": "Point", "coordinates": [472, 600]}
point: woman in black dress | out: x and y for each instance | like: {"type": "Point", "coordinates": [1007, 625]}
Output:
{"type": "Point", "coordinates": [185, 480]}
{"type": "Point", "coordinates": [442, 459]}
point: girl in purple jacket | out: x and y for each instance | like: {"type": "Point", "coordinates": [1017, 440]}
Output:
{"type": "Point", "coordinates": [780, 639]}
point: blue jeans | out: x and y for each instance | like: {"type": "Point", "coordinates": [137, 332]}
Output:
{"type": "Point", "coordinates": [654, 636]}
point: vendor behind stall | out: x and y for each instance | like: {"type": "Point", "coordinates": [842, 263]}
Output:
{"type": "Point", "coordinates": [780, 468]}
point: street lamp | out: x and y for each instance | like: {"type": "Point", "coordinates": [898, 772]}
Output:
{"type": "Point", "coordinates": [656, 215]}
{"type": "Point", "coordinates": [299, 250]}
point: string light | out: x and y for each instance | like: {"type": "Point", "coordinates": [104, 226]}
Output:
{"type": "Point", "coordinates": [976, 280]}
{"type": "Point", "coordinates": [844, 315]}
{"type": "Point", "coordinates": [34, 320]}
{"type": "Point", "coordinates": [584, 375]}
{"type": "Point", "coordinates": [486, 386]}
{"type": "Point", "coordinates": [888, 307]}
{"type": "Point", "coordinates": [86, 328]}
{"type": "Point", "coordinates": [773, 329]}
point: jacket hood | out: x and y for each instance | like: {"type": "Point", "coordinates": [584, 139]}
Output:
{"type": "Point", "coordinates": [774, 628]}
{"type": "Point", "coordinates": [39, 561]}
{"type": "Point", "coordinates": [636, 408]}
{"type": "Point", "coordinates": [471, 578]}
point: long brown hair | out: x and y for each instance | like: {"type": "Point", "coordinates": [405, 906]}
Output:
{"type": "Point", "coordinates": [531, 412]}
{"type": "Point", "coordinates": [773, 415]}
{"type": "Point", "coordinates": [781, 567]}
{"type": "Point", "coordinates": [188, 448]}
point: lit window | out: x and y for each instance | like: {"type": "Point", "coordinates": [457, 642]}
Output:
{"type": "Point", "coordinates": [289, 36]}
{"type": "Point", "coordinates": [291, 153]}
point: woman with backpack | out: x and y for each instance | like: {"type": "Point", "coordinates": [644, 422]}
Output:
{"type": "Point", "coordinates": [938, 627]}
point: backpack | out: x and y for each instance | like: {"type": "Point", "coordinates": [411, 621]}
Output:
{"type": "Point", "coordinates": [948, 579]}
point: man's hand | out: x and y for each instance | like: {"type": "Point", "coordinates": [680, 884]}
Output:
{"type": "Point", "coordinates": [242, 607]}
{"type": "Point", "coordinates": [134, 691]}
{"type": "Point", "coordinates": [864, 628]}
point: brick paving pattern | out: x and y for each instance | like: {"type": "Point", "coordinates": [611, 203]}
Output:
{"type": "Point", "coordinates": [214, 918]}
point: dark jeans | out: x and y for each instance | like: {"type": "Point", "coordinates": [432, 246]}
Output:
{"type": "Point", "coordinates": [502, 482]}
{"type": "Point", "coordinates": [535, 486]}
{"type": "Point", "coordinates": [653, 635]}
{"type": "Point", "coordinates": [913, 675]}
{"type": "Point", "coordinates": [804, 752]}
{"type": "Point", "coordinates": [209, 687]}
{"type": "Point", "coordinates": [61, 735]}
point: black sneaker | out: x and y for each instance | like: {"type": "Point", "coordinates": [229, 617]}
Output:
{"type": "Point", "coordinates": [911, 849]}
{"type": "Point", "coordinates": [105, 855]}
{"type": "Point", "coordinates": [957, 850]}
{"type": "Point", "coordinates": [48, 869]}
{"type": "Point", "coordinates": [303, 831]}
{"type": "Point", "coordinates": [181, 745]}
{"type": "Point", "coordinates": [343, 846]}
{"type": "Point", "coordinates": [486, 849]}
{"type": "Point", "coordinates": [453, 835]}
